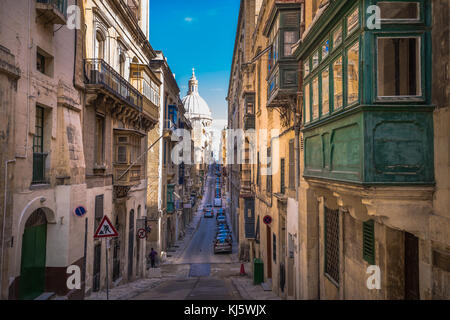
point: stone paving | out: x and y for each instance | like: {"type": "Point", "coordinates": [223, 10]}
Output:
{"type": "Point", "coordinates": [127, 291]}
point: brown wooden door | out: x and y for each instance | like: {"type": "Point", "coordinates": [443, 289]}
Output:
{"type": "Point", "coordinates": [269, 252]}
{"type": "Point", "coordinates": [411, 267]}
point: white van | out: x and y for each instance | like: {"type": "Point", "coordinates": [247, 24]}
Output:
{"type": "Point", "coordinates": [217, 202]}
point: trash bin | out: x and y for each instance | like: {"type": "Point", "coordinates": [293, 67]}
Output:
{"type": "Point", "coordinates": [258, 271]}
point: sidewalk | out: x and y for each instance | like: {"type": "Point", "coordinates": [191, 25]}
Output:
{"type": "Point", "coordinates": [126, 291]}
{"type": "Point", "coordinates": [249, 291]}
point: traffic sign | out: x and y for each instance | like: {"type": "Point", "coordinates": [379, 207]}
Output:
{"type": "Point", "coordinates": [267, 219]}
{"type": "Point", "coordinates": [142, 233]}
{"type": "Point", "coordinates": [105, 229]}
{"type": "Point", "coordinates": [80, 211]}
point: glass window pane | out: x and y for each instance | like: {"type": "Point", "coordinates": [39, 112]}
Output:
{"type": "Point", "coordinates": [337, 37]}
{"type": "Point", "coordinates": [306, 68]}
{"type": "Point", "coordinates": [399, 10]}
{"type": "Point", "coordinates": [325, 49]}
{"type": "Point", "coordinates": [353, 21]}
{"type": "Point", "coordinates": [315, 98]}
{"type": "Point", "coordinates": [325, 91]}
{"type": "Point", "coordinates": [399, 67]}
{"type": "Point", "coordinates": [353, 74]}
{"type": "Point", "coordinates": [307, 106]}
{"type": "Point", "coordinates": [290, 37]}
{"type": "Point", "coordinates": [337, 83]}
{"type": "Point", "coordinates": [315, 59]}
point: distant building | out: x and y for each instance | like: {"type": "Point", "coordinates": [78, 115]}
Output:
{"type": "Point", "coordinates": [198, 112]}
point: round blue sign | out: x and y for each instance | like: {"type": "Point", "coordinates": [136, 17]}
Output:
{"type": "Point", "coordinates": [80, 211]}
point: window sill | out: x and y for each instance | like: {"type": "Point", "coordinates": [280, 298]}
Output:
{"type": "Point", "coordinates": [38, 186]}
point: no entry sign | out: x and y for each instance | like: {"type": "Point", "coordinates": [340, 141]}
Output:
{"type": "Point", "coordinates": [267, 219]}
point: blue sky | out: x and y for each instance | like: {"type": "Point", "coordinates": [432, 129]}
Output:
{"type": "Point", "coordinates": [197, 34]}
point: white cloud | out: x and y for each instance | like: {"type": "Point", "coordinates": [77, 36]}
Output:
{"type": "Point", "coordinates": [188, 19]}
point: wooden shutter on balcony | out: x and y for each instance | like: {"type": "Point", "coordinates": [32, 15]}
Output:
{"type": "Point", "coordinates": [291, 165]}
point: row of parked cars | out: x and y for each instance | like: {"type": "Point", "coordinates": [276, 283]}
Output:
{"type": "Point", "coordinates": [224, 239]}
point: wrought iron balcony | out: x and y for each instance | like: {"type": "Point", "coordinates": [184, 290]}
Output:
{"type": "Point", "coordinates": [98, 72]}
{"type": "Point", "coordinates": [54, 11]}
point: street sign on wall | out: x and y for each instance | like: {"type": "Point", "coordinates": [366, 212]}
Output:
{"type": "Point", "coordinates": [267, 219]}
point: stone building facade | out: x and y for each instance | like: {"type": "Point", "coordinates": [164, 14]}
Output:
{"type": "Point", "coordinates": [175, 179]}
{"type": "Point", "coordinates": [262, 99]}
{"type": "Point", "coordinates": [43, 156]}
{"type": "Point", "coordinates": [358, 170]}
{"type": "Point", "coordinates": [122, 107]}
{"type": "Point", "coordinates": [377, 198]}
{"type": "Point", "coordinates": [79, 98]}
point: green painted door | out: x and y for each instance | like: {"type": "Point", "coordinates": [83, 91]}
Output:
{"type": "Point", "coordinates": [32, 272]}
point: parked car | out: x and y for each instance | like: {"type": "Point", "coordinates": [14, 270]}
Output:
{"type": "Point", "coordinates": [209, 214]}
{"type": "Point", "coordinates": [222, 245]}
{"type": "Point", "coordinates": [208, 206]}
{"type": "Point", "coordinates": [217, 202]}
{"type": "Point", "coordinates": [224, 234]}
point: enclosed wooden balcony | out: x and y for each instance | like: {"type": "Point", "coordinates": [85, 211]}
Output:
{"type": "Point", "coordinates": [127, 146]}
{"type": "Point", "coordinates": [52, 11]}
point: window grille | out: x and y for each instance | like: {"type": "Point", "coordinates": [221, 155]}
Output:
{"type": "Point", "coordinates": [332, 244]}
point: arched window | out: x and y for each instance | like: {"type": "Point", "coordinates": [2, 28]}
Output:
{"type": "Point", "coordinates": [99, 46]}
{"type": "Point", "coordinates": [122, 64]}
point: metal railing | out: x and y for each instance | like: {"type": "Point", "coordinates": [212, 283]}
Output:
{"type": "Point", "coordinates": [60, 5]}
{"type": "Point", "coordinates": [97, 71]}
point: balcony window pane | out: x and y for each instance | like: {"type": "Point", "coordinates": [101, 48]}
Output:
{"type": "Point", "coordinates": [399, 10]}
{"type": "Point", "coordinates": [399, 67]}
{"type": "Point", "coordinates": [307, 110]}
{"type": "Point", "coordinates": [306, 68]}
{"type": "Point", "coordinates": [315, 98]}
{"type": "Point", "coordinates": [122, 154]}
{"type": "Point", "coordinates": [353, 74]}
{"type": "Point", "coordinates": [337, 37]}
{"type": "Point", "coordinates": [290, 37]}
{"type": "Point", "coordinates": [315, 59]}
{"type": "Point", "coordinates": [325, 91]}
{"type": "Point", "coordinates": [325, 49]}
{"type": "Point", "coordinates": [337, 83]}
{"type": "Point", "coordinates": [352, 21]}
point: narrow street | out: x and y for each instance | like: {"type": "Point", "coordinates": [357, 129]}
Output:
{"type": "Point", "coordinates": [198, 273]}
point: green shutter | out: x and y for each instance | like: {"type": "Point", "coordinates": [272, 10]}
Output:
{"type": "Point", "coordinates": [369, 242]}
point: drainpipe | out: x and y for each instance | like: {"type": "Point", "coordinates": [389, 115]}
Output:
{"type": "Point", "coordinates": [4, 224]}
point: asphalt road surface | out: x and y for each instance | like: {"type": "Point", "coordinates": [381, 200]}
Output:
{"type": "Point", "coordinates": [200, 248]}
{"type": "Point", "coordinates": [207, 273]}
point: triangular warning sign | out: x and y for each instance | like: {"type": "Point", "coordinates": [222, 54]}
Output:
{"type": "Point", "coordinates": [106, 229]}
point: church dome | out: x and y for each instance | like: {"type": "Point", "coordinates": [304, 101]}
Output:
{"type": "Point", "coordinates": [194, 105]}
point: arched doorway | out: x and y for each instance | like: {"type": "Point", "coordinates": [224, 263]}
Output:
{"type": "Point", "coordinates": [32, 269]}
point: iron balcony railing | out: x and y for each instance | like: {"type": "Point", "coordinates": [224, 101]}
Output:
{"type": "Point", "coordinates": [97, 71]}
{"type": "Point", "coordinates": [60, 5]}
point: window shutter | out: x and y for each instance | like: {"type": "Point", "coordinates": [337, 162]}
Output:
{"type": "Point", "coordinates": [291, 165]}
{"type": "Point", "coordinates": [99, 207]}
{"type": "Point", "coordinates": [369, 242]}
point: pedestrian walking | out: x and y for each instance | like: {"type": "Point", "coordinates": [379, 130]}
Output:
{"type": "Point", "coordinates": [152, 256]}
